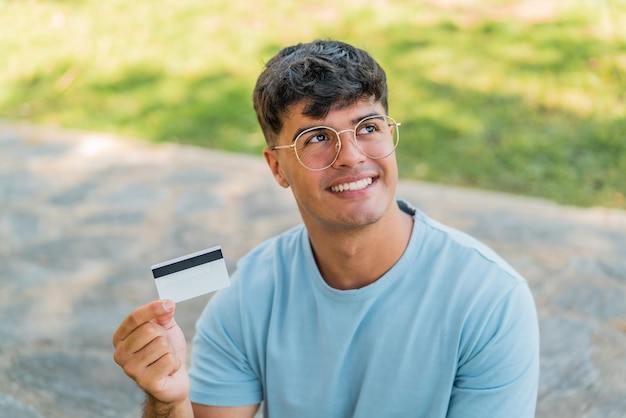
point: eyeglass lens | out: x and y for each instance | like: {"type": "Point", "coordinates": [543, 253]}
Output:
{"type": "Point", "coordinates": [376, 137]}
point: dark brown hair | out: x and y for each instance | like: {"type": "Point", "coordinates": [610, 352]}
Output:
{"type": "Point", "coordinates": [324, 74]}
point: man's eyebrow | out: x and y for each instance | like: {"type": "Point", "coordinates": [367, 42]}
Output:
{"type": "Point", "coordinates": [369, 115]}
{"type": "Point", "coordinates": [353, 122]}
{"type": "Point", "coordinates": [304, 128]}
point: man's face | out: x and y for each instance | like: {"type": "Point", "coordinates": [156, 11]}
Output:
{"type": "Point", "coordinates": [317, 193]}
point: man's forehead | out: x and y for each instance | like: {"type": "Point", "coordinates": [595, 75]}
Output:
{"type": "Point", "coordinates": [298, 111]}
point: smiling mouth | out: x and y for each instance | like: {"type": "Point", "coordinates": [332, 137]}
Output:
{"type": "Point", "coordinates": [355, 185]}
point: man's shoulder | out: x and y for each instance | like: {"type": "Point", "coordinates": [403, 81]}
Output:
{"type": "Point", "coordinates": [269, 262]}
{"type": "Point", "coordinates": [286, 242]}
{"type": "Point", "coordinates": [259, 274]}
{"type": "Point", "coordinates": [470, 248]}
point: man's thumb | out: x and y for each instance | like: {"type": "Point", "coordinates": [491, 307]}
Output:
{"type": "Point", "coordinates": [167, 318]}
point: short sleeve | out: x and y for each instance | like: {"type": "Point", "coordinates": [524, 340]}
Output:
{"type": "Point", "coordinates": [220, 372]}
{"type": "Point", "coordinates": [498, 369]}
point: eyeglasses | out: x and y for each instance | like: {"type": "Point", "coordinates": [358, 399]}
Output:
{"type": "Point", "coordinates": [318, 148]}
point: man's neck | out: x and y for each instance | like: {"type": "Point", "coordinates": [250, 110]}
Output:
{"type": "Point", "coordinates": [355, 258]}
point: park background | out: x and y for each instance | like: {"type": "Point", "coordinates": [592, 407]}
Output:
{"type": "Point", "coordinates": [127, 137]}
{"type": "Point", "coordinates": [525, 97]}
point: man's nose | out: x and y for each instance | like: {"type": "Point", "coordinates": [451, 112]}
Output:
{"type": "Point", "coordinates": [350, 154]}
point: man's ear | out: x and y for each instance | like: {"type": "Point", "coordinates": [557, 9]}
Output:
{"type": "Point", "coordinates": [272, 162]}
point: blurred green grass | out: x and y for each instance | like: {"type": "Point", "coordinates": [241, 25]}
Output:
{"type": "Point", "coordinates": [504, 95]}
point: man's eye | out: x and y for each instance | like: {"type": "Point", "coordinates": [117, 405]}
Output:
{"type": "Point", "coordinates": [317, 137]}
{"type": "Point", "coordinates": [367, 129]}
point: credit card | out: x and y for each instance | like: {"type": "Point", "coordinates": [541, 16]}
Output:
{"type": "Point", "coordinates": [191, 275]}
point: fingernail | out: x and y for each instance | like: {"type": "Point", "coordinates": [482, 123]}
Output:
{"type": "Point", "coordinates": [168, 305]}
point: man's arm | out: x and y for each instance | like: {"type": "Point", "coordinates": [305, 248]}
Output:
{"type": "Point", "coordinates": [157, 409]}
{"type": "Point", "coordinates": [154, 408]}
{"type": "Point", "coordinates": [206, 411]}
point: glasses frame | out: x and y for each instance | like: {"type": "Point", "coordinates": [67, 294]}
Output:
{"type": "Point", "coordinates": [339, 144]}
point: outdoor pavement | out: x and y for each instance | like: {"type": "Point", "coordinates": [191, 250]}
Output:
{"type": "Point", "coordinates": [83, 216]}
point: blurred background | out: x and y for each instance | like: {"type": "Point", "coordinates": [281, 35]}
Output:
{"type": "Point", "coordinates": [127, 137]}
{"type": "Point", "coordinates": [526, 97]}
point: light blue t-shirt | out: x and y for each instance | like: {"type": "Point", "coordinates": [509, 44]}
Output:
{"type": "Point", "coordinates": [450, 331]}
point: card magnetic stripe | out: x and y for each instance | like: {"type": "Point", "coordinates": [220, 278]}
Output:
{"type": "Point", "coordinates": [186, 264]}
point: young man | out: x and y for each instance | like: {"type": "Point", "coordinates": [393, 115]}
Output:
{"type": "Point", "coordinates": [369, 309]}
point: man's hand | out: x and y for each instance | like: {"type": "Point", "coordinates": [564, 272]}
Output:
{"type": "Point", "coordinates": [151, 349]}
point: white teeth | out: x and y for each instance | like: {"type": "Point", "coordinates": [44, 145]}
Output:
{"type": "Point", "coordinates": [355, 185]}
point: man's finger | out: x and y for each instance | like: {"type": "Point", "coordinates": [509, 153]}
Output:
{"type": "Point", "coordinates": [136, 341]}
{"type": "Point", "coordinates": [146, 313]}
{"type": "Point", "coordinates": [155, 375]}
